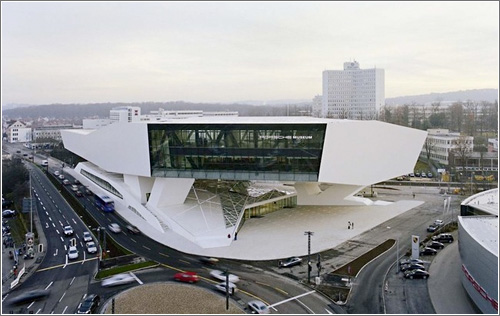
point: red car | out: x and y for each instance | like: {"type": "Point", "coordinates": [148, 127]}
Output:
{"type": "Point", "coordinates": [190, 277]}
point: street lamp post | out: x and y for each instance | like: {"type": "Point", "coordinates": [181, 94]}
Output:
{"type": "Point", "coordinates": [309, 268]}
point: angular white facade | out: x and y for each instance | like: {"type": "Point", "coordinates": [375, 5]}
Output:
{"type": "Point", "coordinates": [150, 168]}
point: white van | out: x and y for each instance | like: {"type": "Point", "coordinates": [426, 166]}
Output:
{"type": "Point", "coordinates": [45, 163]}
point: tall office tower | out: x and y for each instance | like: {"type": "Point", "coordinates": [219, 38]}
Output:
{"type": "Point", "coordinates": [353, 93]}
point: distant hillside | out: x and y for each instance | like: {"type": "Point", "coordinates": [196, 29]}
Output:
{"type": "Point", "coordinates": [478, 95]}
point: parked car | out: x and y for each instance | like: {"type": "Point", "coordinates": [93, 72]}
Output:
{"type": "Point", "coordinates": [30, 296]}
{"type": "Point", "coordinates": [115, 228]}
{"type": "Point", "coordinates": [417, 274]}
{"type": "Point", "coordinates": [406, 261]}
{"type": "Point", "coordinates": [8, 213]}
{"type": "Point", "coordinates": [258, 307]}
{"type": "Point", "coordinates": [79, 193]}
{"type": "Point", "coordinates": [411, 266]}
{"type": "Point", "coordinates": [65, 181]}
{"type": "Point", "coordinates": [72, 252]}
{"type": "Point", "coordinates": [61, 176]}
{"type": "Point", "coordinates": [187, 276]}
{"type": "Point", "coordinates": [221, 275]}
{"type": "Point", "coordinates": [426, 251]}
{"type": "Point", "coordinates": [438, 222]}
{"type": "Point", "coordinates": [429, 175]}
{"type": "Point", "coordinates": [435, 244]}
{"type": "Point", "coordinates": [57, 173]}
{"type": "Point", "coordinates": [89, 304]}
{"type": "Point", "coordinates": [222, 287]}
{"type": "Point", "coordinates": [290, 262]}
{"type": "Point", "coordinates": [443, 238]}
{"type": "Point", "coordinates": [87, 236]}
{"type": "Point", "coordinates": [91, 247]}
{"type": "Point", "coordinates": [432, 228]}
{"type": "Point", "coordinates": [133, 229]}
{"type": "Point", "coordinates": [74, 187]}
{"type": "Point", "coordinates": [68, 230]}
{"type": "Point", "coordinates": [118, 279]}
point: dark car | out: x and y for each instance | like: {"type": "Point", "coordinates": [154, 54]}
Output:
{"type": "Point", "coordinates": [432, 228]}
{"type": "Point", "coordinates": [417, 274]}
{"type": "Point", "coordinates": [89, 304]}
{"type": "Point", "coordinates": [209, 260]}
{"type": "Point", "coordinates": [8, 213]}
{"type": "Point", "coordinates": [435, 244]}
{"type": "Point", "coordinates": [443, 238]}
{"type": "Point", "coordinates": [79, 193]}
{"type": "Point", "coordinates": [428, 251]}
{"type": "Point", "coordinates": [411, 266]}
{"type": "Point", "coordinates": [30, 296]}
{"type": "Point", "coordinates": [133, 230]}
{"type": "Point", "coordinates": [290, 262]}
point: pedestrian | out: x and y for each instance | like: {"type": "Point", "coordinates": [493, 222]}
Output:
{"type": "Point", "coordinates": [349, 225]}
{"type": "Point", "coordinates": [352, 225]}
{"type": "Point", "coordinates": [413, 194]}
{"type": "Point", "coordinates": [236, 236]}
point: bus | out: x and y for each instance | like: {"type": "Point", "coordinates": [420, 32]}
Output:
{"type": "Point", "coordinates": [104, 202]}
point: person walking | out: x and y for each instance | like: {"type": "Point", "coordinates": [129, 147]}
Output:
{"type": "Point", "coordinates": [349, 225]}
{"type": "Point", "coordinates": [352, 225]}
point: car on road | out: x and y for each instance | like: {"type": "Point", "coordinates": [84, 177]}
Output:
{"type": "Point", "coordinates": [66, 182]}
{"type": "Point", "coordinates": [115, 228]}
{"type": "Point", "coordinates": [79, 193]}
{"type": "Point", "coordinates": [443, 238]}
{"type": "Point", "coordinates": [8, 213]}
{"type": "Point", "coordinates": [209, 260]}
{"type": "Point", "coordinates": [89, 304]}
{"type": "Point", "coordinates": [72, 252]}
{"type": "Point", "coordinates": [411, 266]}
{"type": "Point", "coordinates": [88, 192]}
{"type": "Point", "coordinates": [30, 296]}
{"type": "Point", "coordinates": [221, 275]}
{"type": "Point", "coordinates": [406, 261]}
{"type": "Point", "coordinates": [77, 181]}
{"type": "Point", "coordinates": [118, 279]}
{"type": "Point", "coordinates": [68, 230]}
{"type": "Point", "coordinates": [133, 229]}
{"type": "Point", "coordinates": [426, 251]}
{"type": "Point", "coordinates": [258, 307]}
{"type": "Point", "coordinates": [432, 228]}
{"type": "Point", "coordinates": [87, 236]}
{"type": "Point", "coordinates": [187, 276]}
{"type": "Point", "coordinates": [438, 222]}
{"type": "Point", "coordinates": [290, 262]}
{"type": "Point", "coordinates": [57, 173]}
{"type": "Point", "coordinates": [91, 247]}
{"type": "Point", "coordinates": [61, 176]}
{"type": "Point", "coordinates": [222, 287]}
{"type": "Point", "coordinates": [435, 244]}
{"type": "Point", "coordinates": [417, 274]}
{"type": "Point", "coordinates": [74, 187]}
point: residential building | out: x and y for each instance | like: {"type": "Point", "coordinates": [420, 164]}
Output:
{"type": "Point", "coordinates": [18, 132]}
{"type": "Point", "coordinates": [353, 93]}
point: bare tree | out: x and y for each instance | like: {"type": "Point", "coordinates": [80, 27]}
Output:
{"type": "Point", "coordinates": [456, 117]}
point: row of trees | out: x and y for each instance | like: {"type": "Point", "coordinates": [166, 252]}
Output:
{"type": "Point", "coordinates": [470, 118]}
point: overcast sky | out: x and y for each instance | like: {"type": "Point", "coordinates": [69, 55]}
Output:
{"type": "Point", "coordinates": [85, 52]}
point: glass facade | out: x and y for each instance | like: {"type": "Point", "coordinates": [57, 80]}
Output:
{"type": "Point", "coordinates": [236, 151]}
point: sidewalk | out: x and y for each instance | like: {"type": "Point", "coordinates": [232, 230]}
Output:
{"type": "Point", "coordinates": [30, 265]}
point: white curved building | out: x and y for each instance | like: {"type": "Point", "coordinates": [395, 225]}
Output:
{"type": "Point", "coordinates": [478, 246]}
{"type": "Point", "coordinates": [150, 167]}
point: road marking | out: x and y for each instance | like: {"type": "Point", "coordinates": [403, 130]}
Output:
{"type": "Point", "coordinates": [65, 309]}
{"type": "Point", "coordinates": [61, 224]}
{"type": "Point", "coordinates": [137, 279]}
{"type": "Point", "coordinates": [328, 312]}
{"type": "Point", "coordinates": [50, 218]}
{"type": "Point", "coordinates": [72, 281]}
{"type": "Point", "coordinates": [44, 209]}
{"type": "Point", "coordinates": [164, 254]}
{"type": "Point", "coordinates": [46, 225]}
{"type": "Point", "coordinates": [30, 305]}
{"type": "Point", "coordinates": [146, 247]}
{"type": "Point", "coordinates": [54, 225]}
{"type": "Point", "coordinates": [47, 213]}
{"type": "Point", "coordinates": [62, 297]}
{"type": "Point", "coordinates": [83, 258]}
{"type": "Point", "coordinates": [49, 285]}
{"type": "Point", "coordinates": [56, 252]}
{"type": "Point", "coordinates": [277, 289]}
{"type": "Point", "coordinates": [3, 299]}
{"type": "Point", "coordinates": [184, 261]}
{"type": "Point", "coordinates": [38, 311]}
{"type": "Point", "coordinates": [63, 265]}
{"type": "Point", "coordinates": [133, 240]}
{"type": "Point", "coordinates": [62, 239]}
{"type": "Point", "coordinates": [74, 221]}
{"type": "Point", "coordinates": [65, 249]}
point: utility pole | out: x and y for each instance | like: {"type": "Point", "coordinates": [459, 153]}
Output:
{"type": "Point", "coordinates": [309, 268]}
{"type": "Point", "coordinates": [227, 288]}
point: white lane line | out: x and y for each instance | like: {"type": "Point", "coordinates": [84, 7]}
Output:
{"type": "Point", "coordinates": [72, 280]}
{"type": "Point", "coordinates": [74, 221]}
{"type": "Point", "coordinates": [62, 297]}
{"type": "Point", "coordinates": [50, 218]}
{"type": "Point", "coordinates": [66, 249]}
{"type": "Point", "coordinates": [62, 239]}
{"type": "Point", "coordinates": [54, 225]}
{"type": "Point", "coordinates": [44, 208]}
{"type": "Point", "coordinates": [49, 283]}
{"type": "Point", "coordinates": [65, 309]}
{"type": "Point", "coordinates": [56, 252]}
{"type": "Point", "coordinates": [146, 247]}
{"type": "Point", "coordinates": [133, 240]}
{"type": "Point", "coordinates": [47, 213]}
{"type": "Point", "coordinates": [30, 305]}
{"type": "Point", "coordinates": [65, 264]}
{"type": "Point", "coordinates": [3, 299]}
{"type": "Point", "coordinates": [57, 230]}
{"type": "Point", "coordinates": [46, 225]}
{"type": "Point", "coordinates": [135, 277]}
{"type": "Point", "coordinates": [38, 311]}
